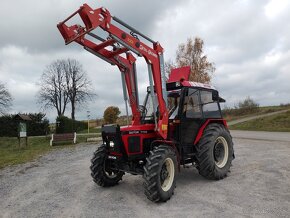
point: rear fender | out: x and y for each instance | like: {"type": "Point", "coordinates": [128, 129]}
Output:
{"type": "Point", "coordinates": [209, 121]}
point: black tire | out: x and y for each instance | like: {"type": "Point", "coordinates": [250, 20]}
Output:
{"type": "Point", "coordinates": [215, 152]}
{"type": "Point", "coordinates": [101, 174]}
{"type": "Point", "coordinates": [159, 174]}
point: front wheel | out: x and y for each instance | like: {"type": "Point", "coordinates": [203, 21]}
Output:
{"type": "Point", "coordinates": [215, 152]}
{"type": "Point", "coordinates": [159, 174]}
{"type": "Point", "coordinates": [101, 172]}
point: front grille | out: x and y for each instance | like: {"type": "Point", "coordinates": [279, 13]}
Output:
{"type": "Point", "coordinates": [134, 145]}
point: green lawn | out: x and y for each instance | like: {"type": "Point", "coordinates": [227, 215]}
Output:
{"type": "Point", "coordinates": [275, 123]}
{"type": "Point", "coordinates": [261, 110]}
{"type": "Point", "coordinates": [11, 153]}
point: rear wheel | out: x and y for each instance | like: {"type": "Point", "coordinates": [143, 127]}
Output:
{"type": "Point", "coordinates": [101, 172]}
{"type": "Point", "coordinates": [159, 174]}
{"type": "Point", "coordinates": [215, 152]}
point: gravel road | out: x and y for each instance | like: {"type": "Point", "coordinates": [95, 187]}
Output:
{"type": "Point", "coordinates": [59, 185]}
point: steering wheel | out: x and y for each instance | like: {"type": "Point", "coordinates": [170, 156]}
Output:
{"type": "Point", "coordinates": [143, 110]}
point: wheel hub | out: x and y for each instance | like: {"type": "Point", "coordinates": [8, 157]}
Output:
{"type": "Point", "coordinates": [219, 152]}
{"type": "Point", "coordinates": [167, 174]}
{"type": "Point", "coordinates": [163, 174]}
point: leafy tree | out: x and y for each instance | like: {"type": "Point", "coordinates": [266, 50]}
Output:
{"type": "Point", "coordinates": [5, 99]}
{"type": "Point", "coordinates": [111, 114]}
{"type": "Point", "coordinates": [191, 54]}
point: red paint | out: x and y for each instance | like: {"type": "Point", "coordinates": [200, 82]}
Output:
{"type": "Point", "coordinates": [201, 129]}
{"type": "Point", "coordinates": [133, 130]}
{"type": "Point", "coordinates": [179, 74]}
{"type": "Point", "coordinates": [101, 18]}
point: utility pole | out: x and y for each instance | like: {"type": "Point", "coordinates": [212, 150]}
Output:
{"type": "Point", "coordinates": [88, 114]}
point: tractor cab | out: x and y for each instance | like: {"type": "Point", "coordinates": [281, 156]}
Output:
{"type": "Point", "coordinates": [191, 105]}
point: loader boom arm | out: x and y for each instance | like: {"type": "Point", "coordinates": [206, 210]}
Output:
{"type": "Point", "coordinates": [122, 42]}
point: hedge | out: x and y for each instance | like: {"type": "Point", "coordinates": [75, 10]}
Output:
{"type": "Point", "coordinates": [38, 125]}
{"type": "Point", "coordinates": [67, 125]}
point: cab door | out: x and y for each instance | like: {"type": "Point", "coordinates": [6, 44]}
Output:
{"type": "Point", "coordinates": [191, 117]}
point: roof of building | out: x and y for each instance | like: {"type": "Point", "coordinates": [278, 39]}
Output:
{"type": "Point", "coordinates": [22, 117]}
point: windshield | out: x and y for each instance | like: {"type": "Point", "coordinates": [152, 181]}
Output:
{"type": "Point", "coordinates": [147, 108]}
{"type": "Point", "coordinates": [173, 103]}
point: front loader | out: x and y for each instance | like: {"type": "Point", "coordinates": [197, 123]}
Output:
{"type": "Point", "coordinates": [179, 122]}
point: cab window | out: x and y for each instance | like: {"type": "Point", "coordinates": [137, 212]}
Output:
{"type": "Point", "coordinates": [191, 107]}
{"type": "Point", "coordinates": [173, 103]}
{"type": "Point", "coordinates": [210, 108]}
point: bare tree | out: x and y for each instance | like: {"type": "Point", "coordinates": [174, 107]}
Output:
{"type": "Point", "coordinates": [64, 82]}
{"type": "Point", "coordinates": [53, 91]}
{"type": "Point", "coordinates": [169, 65]}
{"type": "Point", "coordinates": [5, 99]}
{"type": "Point", "coordinates": [191, 54]}
{"type": "Point", "coordinates": [78, 85]}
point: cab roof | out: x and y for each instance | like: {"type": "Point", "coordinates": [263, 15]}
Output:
{"type": "Point", "coordinates": [197, 85]}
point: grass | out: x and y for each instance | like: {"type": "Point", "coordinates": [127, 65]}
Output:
{"type": "Point", "coordinates": [275, 123]}
{"type": "Point", "coordinates": [261, 110]}
{"type": "Point", "coordinates": [12, 154]}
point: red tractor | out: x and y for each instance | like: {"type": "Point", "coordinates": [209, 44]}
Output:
{"type": "Point", "coordinates": [179, 123]}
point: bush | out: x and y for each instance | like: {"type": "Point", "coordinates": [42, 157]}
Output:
{"type": "Point", "coordinates": [248, 106]}
{"type": "Point", "coordinates": [8, 126]}
{"type": "Point", "coordinates": [38, 125]}
{"type": "Point", "coordinates": [67, 125]}
{"type": "Point", "coordinates": [284, 104]}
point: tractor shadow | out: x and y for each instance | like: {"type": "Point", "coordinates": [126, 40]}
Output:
{"type": "Point", "coordinates": [188, 176]}
{"type": "Point", "coordinates": [130, 190]}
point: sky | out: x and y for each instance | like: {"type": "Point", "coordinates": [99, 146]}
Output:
{"type": "Point", "coordinates": [249, 42]}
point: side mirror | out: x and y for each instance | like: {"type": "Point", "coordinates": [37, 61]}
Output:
{"type": "Point", "coordinates": [215, 95]}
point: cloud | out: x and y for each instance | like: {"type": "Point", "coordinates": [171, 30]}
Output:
{"type": "Point", "coordinates": [32, 23]}
{"type": "Point", "coordinates": [249, 42]}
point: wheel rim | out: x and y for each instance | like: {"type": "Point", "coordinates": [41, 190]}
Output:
{"type": "Point", "coordinates": [167, 174]}
{"type": "Point", "coordinates": [221, 152]}
{"type": "Point", "coordinates": [109, 173]}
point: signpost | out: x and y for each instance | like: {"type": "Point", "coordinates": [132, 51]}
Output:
{"type": "Point", "coordinates": [88, 113]}
{"type": "Point", "coordinates": [22, 127]}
